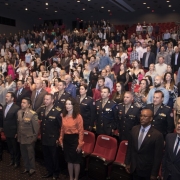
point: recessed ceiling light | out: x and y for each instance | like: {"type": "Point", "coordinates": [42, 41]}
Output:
{"type": "Point", "coordinates": [88, 0]}
{"type": "Point", "coordinates": [148, 7]}
{"type": "Point", "coordinates": [167, 1]}
{"type": "Point", "coordinates": [83, 9]}
{"type": "Point", "coordinates": [144, 3]}
{"type": "Point", "coordinates": [6, 4]}
{"type": "Point", "coordinates": [26, 9]}
{"type": "Point", "coordinates": [78, 1]}
{"type": "Point", "coordinates": [109, 10]}
{"type": "Point", "coordinates": [169, 5]}
{"type": "Point", "coordinates": [46, 4]}
{"type": "Point", "coordinates": [46, 8]}
{"type": "Point", "coordinates": [173, 10]}
{"type": "Point", "coordinates": [102, 7]}
{"type": "Point", "coordinates": [55, 11]}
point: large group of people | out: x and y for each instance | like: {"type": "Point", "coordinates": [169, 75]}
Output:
{"type": "Point", "coordinates": [95, 79]}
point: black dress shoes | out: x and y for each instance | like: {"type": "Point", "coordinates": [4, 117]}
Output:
{"type": "Point", "coordinates": [47, 176]}
{"type": "Point", "coordinates": [55, 178]}
{"type": "Point", "coordinates": [25, 171]}
{"type": "Point", "coordinates": [16, 166]}
{"type": "Point", "coordinates": [31, 173]}
{"type": "Point", "coordinates": [10, 164]}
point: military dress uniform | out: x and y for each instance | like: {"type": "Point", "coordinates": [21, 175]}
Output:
{"type": "Point", "coordinates": [163, 119]}
{"type": "Point", "coordinates": [28, 128]}
{"type": "Point", "coordinates": [126, 120]}
{"type": "Point", "coordinates": [60, 101]}
{"type": "Point", "coordinates": [106, 117]}
{"type": "Point", "coordinates": [50, 132]}
{"type": "Point", "coordinates": [87, 111]}
{"type": "Point", "coordinates": [1, 125]}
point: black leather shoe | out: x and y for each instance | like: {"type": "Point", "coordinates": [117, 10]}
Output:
{"type": "Point", "coordinates": [55, 178]}
{"type": "Point", "coordinates": [25, 171]}
{"type": "Point", "coordinates": [10, 164]}
{"type": "Point", "coordinates": [31, 173]}
{"type": "Point", "coordinates": [16, 166]}
{"type": "Point", "coordinates": [47, 176]}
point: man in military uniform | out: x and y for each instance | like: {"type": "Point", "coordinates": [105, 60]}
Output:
{"type": "Point", "coordinates": [50, 126]}
{"type": "Point", "coordinates": [106, 114]}
{"type": "Point", "coordinates": [128, 116]}
{"type": "Point", "coordinates": [87, 108]}
{"type": "Point", "coordinates": [28, 128]}
{"type": "Point", "coordinates": [61, 96]}
{"type": "Point", "coordinates": [163, 116]}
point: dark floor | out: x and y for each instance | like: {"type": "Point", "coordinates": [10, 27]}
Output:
{"type": "Point", "coordinates": [9, 173]}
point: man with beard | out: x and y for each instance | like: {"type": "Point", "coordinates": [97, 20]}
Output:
{"type": "Point", "coordinates": [158, 85]}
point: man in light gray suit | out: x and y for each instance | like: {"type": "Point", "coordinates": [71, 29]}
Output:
{"type": "Point", "coordinates": [27, 132]}
{"type": "Point", "coordinates": [37, 96]}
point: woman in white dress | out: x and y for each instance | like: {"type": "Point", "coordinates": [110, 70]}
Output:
{"type": "Point", "coordinates": [23, 71]}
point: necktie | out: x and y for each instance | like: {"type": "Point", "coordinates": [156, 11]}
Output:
{"type": "Point", "coordinates": [22, 114]}
{"type": "Point", "coordinates": [140, 139]}
{"type": "Point", "coordinates": [18, 93]}
{"type": "Point", "coordinates": [6, 110]}
{"type": "Point", "coordinates": [37, 92]}
{"type": "Point", "coordinates": [176, 147]}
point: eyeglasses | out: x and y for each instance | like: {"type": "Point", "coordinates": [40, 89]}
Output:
{"type": "Point", "coordinates": [144, 116]}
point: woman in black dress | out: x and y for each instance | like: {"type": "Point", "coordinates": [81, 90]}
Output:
{"type": "Point", "coordinates": [93, 78]}
{"type": "Point", "coordinates": [118, 96]}
{"type": "Point", "coordinates": [71, 137]}
{"type": "Point", "coordinates": [123, 76]}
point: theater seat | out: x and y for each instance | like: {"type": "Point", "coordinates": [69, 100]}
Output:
{"type": "Point", "coordinates": [102, 156]}
{"type": "Point", "coordinates": [89, 142]}
{"type": "Point", "coordinates": [87, 149]}
{"type": "Point", "coordinates": [118, 171]}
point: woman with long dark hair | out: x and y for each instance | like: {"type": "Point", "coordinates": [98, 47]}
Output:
{"type": "Point", "coordinates": [118, 96]}
{"type": "Point", "coordinates": [71, 136]}
{"type": "Point", "coordinates": [87, 108]}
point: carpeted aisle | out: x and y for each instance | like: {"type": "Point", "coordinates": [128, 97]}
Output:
{"type": "Point", "coordinates": [9, 173]}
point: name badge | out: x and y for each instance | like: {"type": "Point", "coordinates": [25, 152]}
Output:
{"type": "Point", "coordinates": [162, 114]}
{"type": "Point", "coordinates": [52, 117]}
{"type": "Point", "coordinates": [27, 119]}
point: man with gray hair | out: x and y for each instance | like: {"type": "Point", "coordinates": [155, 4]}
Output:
{"type": "Point", "coordinates": [70, 88]}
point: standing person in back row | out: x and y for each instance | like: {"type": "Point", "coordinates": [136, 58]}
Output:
{"type": "Point", "coordinates": [145, 149]}
{"type": "Point", "coordinates": [28, 128]}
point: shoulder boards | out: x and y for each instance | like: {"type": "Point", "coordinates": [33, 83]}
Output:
{"type": "Point", "coordinates": [33, 112]}
{"type": "Point", "coordinates": [57, 108]}
{"type": "Point", "coordinates": [120, 103]}
{"type": "Point", "coordinates": [98, 100]}
{"type": "Point", "coordinates": [167, 107]}
{"type": "Point", "coordinates": [114, 101]}
{"type": "Point", "coordinates": [89, 97]}
{"type": "Point", "coordinates": [43, 106]}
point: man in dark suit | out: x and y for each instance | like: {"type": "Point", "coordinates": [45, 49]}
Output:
{"type": "Point", "coordinates": [148, 58]}
{"type": "Point", "coordinates": [37, 96]}
{"type": "Point", "coordinates": [175, 60]}
{"type": "Point", "coordinates": [10, 128]}
{"type": "Point", "coordinates": [65, 62]}
{"type": "Point", "coordinates": [21, 92]}
{"type": "Point", "coordinates": [51, 124]}
{"type": "Point", "coordinates": [145, 149]}
{"type": "Point", "coordinates": [106, 114]}
{"type": "Point", "coordinates": [163, 117]}
{"type": "Point", "coordinates": [171, 159]}
{"type": "Point", "coordinates": [128, 115]}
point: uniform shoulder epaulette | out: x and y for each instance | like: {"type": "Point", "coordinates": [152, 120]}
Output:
{"type": "Point", "coordinates": [43, 106]}
{"type": "Point", "coordinates": [114, 101]}
{"type": "Point", "coordinates": [120, 103]}
{"type": "Point", "coordinates": [33, 112]}
{"type": "Point", "coordinates": [168, 107]}
{"type": "Point", "coordinates": [89, 97]}
{"type": "Point", "coordinates": [98, 100]}
{"type": "Point", "coordinates": [57, 108]}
